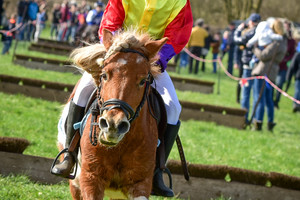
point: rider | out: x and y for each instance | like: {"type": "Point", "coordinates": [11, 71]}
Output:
{"type": "Point", "coordinates": [169, 18]}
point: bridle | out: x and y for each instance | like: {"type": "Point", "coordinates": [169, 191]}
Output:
{"type": "Point", "coordinates": [117, 103]}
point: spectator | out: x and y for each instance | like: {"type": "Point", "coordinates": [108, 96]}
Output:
{"type": "Point", "coordinates": [8, 34]}
{"type": "Point", "coordinates": [93, 20]}
{"type": "Point", "coordinates": [63, 20]}
{"type": "Point", "coordinates": [294, 69]}
{"type": "Point", "coordinates": [33, 9]}
{"type": "Point", "coordinates": [72, 23]}
{"type": "Point", "coordinates": [56, 15]}
{"type": "Point", "coordinates": [224, 43]}
{"type": "Point", "coordinates": [280, 79]}
{"type": "Point", "coordinates": [215, 44]}
{"type": "Point", "coordinates": [237, 60]}
{"type": "Point", "coordinates": [206, 47]}
{"type": "Point", "coordinates": [184, 59]}
{"type": "Point", "coordinates": [82, 13]}
{"type": "Point", "coordinates": [230, 47]}
{"type": "Point", "coordinates": [22, 18]}
{"type": "Point", "coordinates": [40, 22]}
{"type": "Point", "coordinates": [247, 54]}
{"type": "Point", "coordinates": [196, 43]}
{"type": "Point", "coordinates": [298, 47]}
{"type": "Point", "coordinates": [269, 59]}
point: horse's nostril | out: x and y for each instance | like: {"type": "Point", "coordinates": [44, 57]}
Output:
{"type": "Point", "coordinates": [103, 123]}
{"type": "Point", "coordinates": [123, 127]}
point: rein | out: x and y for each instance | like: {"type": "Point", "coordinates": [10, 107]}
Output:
{"type": "Point", "coordinates": [117, 103]}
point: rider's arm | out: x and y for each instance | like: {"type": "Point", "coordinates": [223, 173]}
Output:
{"type": "Point", "coordinates": [113, 17]}
{"type": "Point", "coordinates": [178, 32]}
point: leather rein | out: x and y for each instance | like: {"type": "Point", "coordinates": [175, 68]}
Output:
{"type": "Point", "coordinates": [110, 104]}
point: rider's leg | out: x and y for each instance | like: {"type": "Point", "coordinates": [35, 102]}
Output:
{"type": "Point", "coordinates": [75, 114]}
{"type": "Point", "coordinates": [165, 88]}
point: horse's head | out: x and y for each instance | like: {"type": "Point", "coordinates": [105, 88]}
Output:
{"type": "Point", "coordinates": [122, 70]}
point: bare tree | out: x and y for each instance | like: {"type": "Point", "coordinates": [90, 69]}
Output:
{"type": "Point", "coordinates": [241, 9]}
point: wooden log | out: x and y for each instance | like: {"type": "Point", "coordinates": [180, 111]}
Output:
{"type": "Point", "coordinates": [232, 117]}
{"type": "Point", "coordinates": [45, 64]}
{"type": "Point", "coordinates": [13, 144]}
{"type": "Point", "coordinates": [51, 48]}
{"type": "Point", "coordinates": [39, 89]}
{"type": "Point", "coordinates": [35, 167]}
{"type": "Point", "coordinates": [203, 189]}
{"type": "Point", "coordinates": [54, 46]}
{"type": "Point", "coordinates": [49, 41]}
{"type": "Point", "coordinates": [195, 85]}
{"type": "Point", "coordinates": [171, 67]}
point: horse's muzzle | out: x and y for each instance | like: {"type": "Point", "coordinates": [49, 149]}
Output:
{"type": "Point", "coordinates": [111, 132]}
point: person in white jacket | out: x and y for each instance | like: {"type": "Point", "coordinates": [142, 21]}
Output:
{"type": "Point", "coordinates": [264, 36]}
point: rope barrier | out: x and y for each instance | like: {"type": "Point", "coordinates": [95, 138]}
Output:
{"type": "Point", "coordinates": [242, 81]}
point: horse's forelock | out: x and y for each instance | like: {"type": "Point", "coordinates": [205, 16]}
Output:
{"type": "Point", "coordinates": [86, 57]}
{"type": "Point", "coordinates": [135, 40]}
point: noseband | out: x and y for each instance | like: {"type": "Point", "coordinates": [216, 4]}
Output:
{"type": "Point", "coordinates": [125, 107]}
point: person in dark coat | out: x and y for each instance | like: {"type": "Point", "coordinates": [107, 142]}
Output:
{"type": "Point", "coordinates": [291, 49]}
{"type": "Point", "coordinates": [247, 54]}
{"type": "Point", "coordinates": [294, 70]}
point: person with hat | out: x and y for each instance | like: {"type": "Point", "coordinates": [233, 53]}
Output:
{"type": "Point", "coordinates": [248, 29]}
{"type": "Point", "coordinates": [196, 43]}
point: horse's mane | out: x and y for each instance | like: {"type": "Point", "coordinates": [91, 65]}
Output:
{"type": "Point", "coordinates": [90, 58]}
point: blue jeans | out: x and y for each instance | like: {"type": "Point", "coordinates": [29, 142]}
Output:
{"type": "Point", "coordinates": [297, 91]}
{"type": "Point", "coordinates": [184, 59]}
{"type": "Point", "coordinates": [280, 79]}
{"type": "Point", "coordinates": [215, 56]}
{"type": "Point", "coordinates": [6, 46]}
{"type": "Point", "coordinates": [266, 100]}
{"type": "Point", "coordinates": [246, 91]}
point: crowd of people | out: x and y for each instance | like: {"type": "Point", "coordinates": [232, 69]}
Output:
{"type": "Point", "coordinates": [70, 21]}
{"type": "Point", "coordinates": [253, 47]}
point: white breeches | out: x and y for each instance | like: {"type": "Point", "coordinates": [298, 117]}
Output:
{"type": "Point", "coordinates": [162, 83]}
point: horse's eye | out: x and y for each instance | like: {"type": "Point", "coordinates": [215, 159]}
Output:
{"type": "Point", "coordinates": [104, 76]}
{"type": "Point", "coordinates": [142, 83]}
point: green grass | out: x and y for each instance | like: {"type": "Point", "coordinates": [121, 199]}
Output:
{"type": "Point", "coordinates": [204, 142]}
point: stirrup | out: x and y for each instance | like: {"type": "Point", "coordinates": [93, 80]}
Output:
{"type": "Point", "coordinates": [56, 159]}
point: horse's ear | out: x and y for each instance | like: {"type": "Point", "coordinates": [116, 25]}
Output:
{"type": "Point", "coordinates": [153, 47]}
{"type": "Point", "coordinates": [107, 38]}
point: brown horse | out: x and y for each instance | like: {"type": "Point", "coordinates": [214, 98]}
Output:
{"type": "Point", "coordinates": [122, 163]}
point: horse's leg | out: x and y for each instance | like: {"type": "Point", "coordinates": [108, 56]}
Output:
{"type": "Point", "coordinates": [90, 185]}
{"type": "Point", "coordinates": [75, 190]}
{"type": "Point", "coordinates": [141, 190]}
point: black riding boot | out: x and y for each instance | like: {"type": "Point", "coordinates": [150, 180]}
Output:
{"type": "Point", "coordinates": [159, 188]}
{"type": "Point", "coordinates": [65, 167]}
